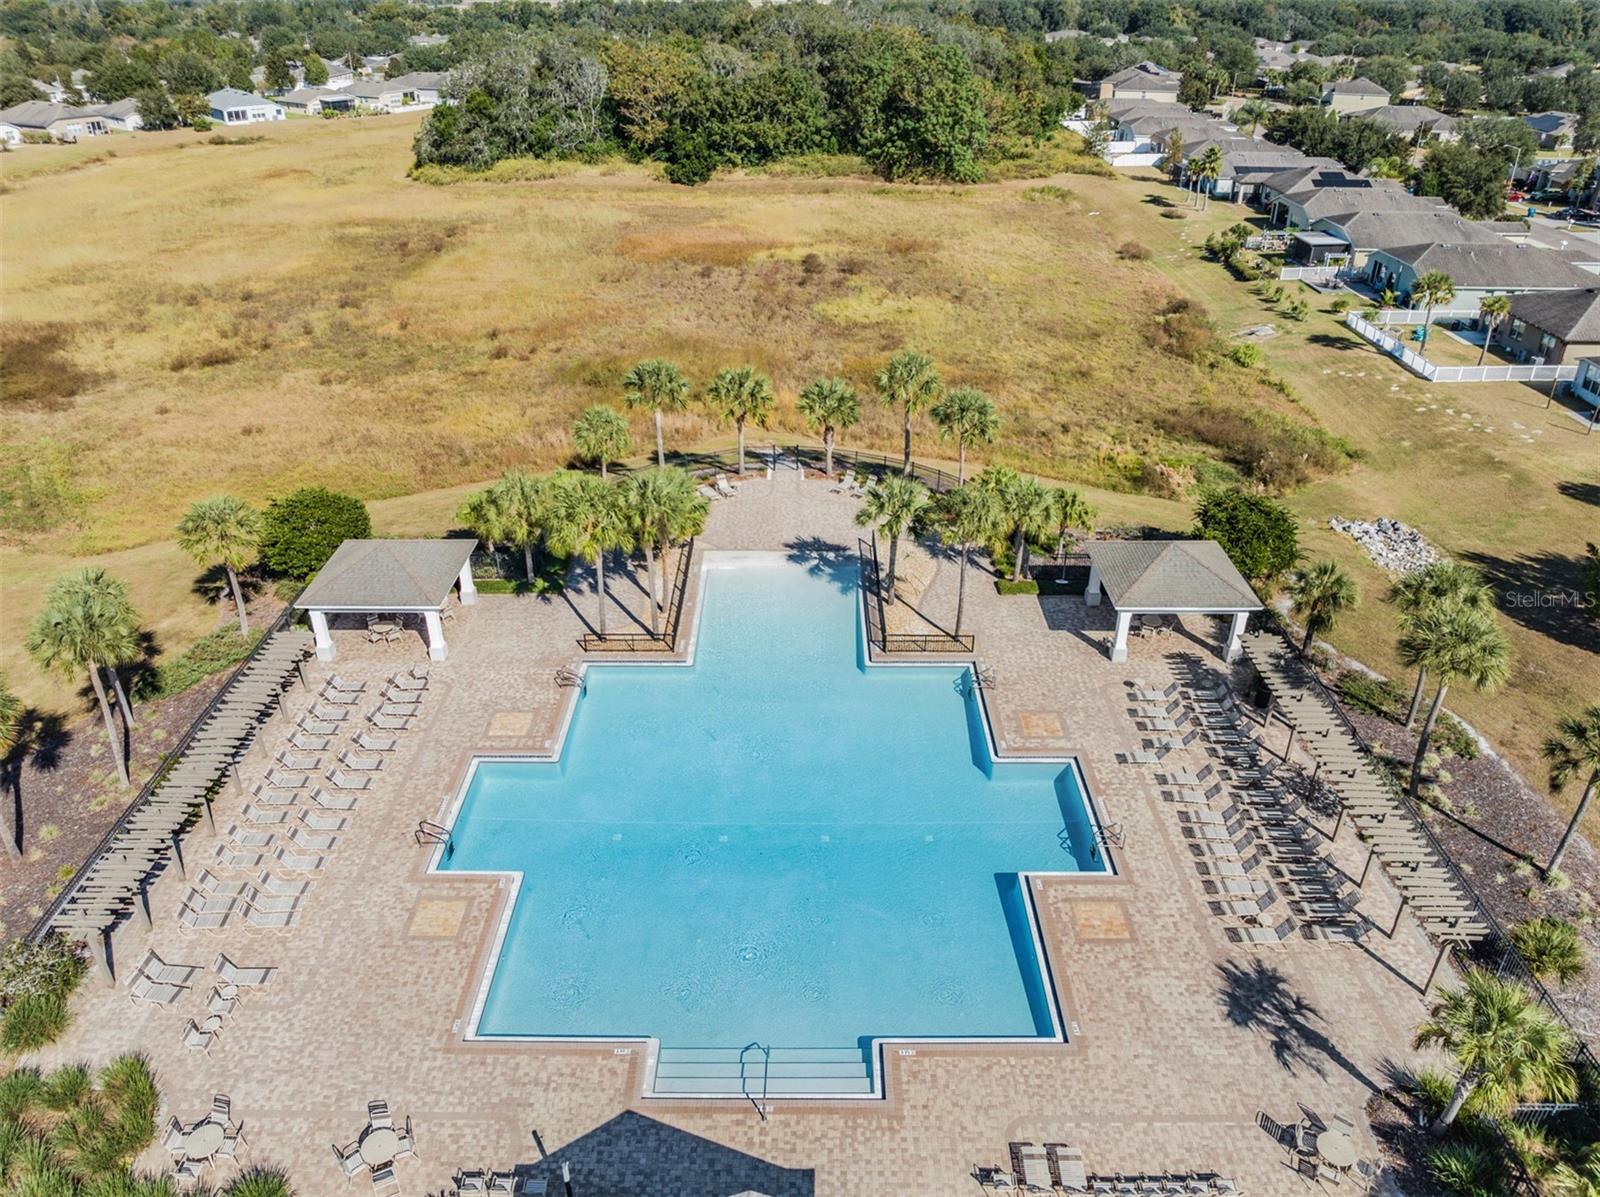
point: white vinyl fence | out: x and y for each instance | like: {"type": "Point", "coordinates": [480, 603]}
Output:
{"type": "Point", "coordinates": [1313, 274]}
{"type": "Point", "coordinates": [1417, 364]}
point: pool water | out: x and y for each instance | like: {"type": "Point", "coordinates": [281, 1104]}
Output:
{"type": "Point", "coordinates": [775, 845]}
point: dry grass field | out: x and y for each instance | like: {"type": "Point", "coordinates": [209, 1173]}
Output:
{"type": "Point", "coordinates": [182, 318]}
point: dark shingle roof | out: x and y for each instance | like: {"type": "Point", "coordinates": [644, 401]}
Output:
{"type": "Point", "coordinates": [1571, 315]}
{"type": "Point", "coordinates": [40, 114]}
{"type": "Point", "coordinates": [1502, 265]}
{"type": "Point", "coordinates": [1185, 575]}
{"type": "Point", "coordinates": [1359, 86]}
{"type": "Point", "coordinates": [1384, 230]}
{"type": "Point", "coordinates": [388, 575]}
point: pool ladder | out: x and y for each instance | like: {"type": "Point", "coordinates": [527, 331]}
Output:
{"type": "Point", "coordinates": [745, 1076]}
{"type": "Point", "coordinates": [429, 832]}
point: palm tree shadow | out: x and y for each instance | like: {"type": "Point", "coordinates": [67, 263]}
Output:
{"type": "Point", "coordinates": [1583, 492]}
{"type": "Point", "coordinates": [825, 559]}
{"type": "Point", "coordinates": [1258, 997]}
{"type": "Point", "coordinates": [1543, 592]}
{"type": "Point", "coordinates": [211, 584]}
{"type": "Point", "coordinates": [41, 738]}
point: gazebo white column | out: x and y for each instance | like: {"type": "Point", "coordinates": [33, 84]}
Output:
{"type": "Point", "coordinates": [438, 650]}
{"type": "Point", "coordinates": [469, 592]}
{"type": "Point", "coordinates": [1119, 646]}
{"type": "Point", "coordinates": [1236, 637]}
{"type": "Point", "coordinates": [319, 631]}
{"type": "Point", "coordinates": [1091, 593]}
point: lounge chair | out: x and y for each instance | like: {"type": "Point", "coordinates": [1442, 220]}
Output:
{"type": "Point", "coordinates": [196, 1038]}
{"type": "Point", "coordinates": [368, 742]}
{"type": "Point", "coordinates": [340, 698]}
{"type": "Point", "coordinates": [395, 723]}
{"type": "Point", "coordinates": [206, 915]}
{"type": "Point", "coordinates": [502, 1184]}
{"type": "Point", "coordinates": [280, 888]}
{"type": "Point", "coordinates": [317, 727]}
{"type": "Point", "coordinates": [300, 761]}
{"type": "Point", "coordinates": [313, 841]}
{"type": "Point", "coordinates": [264, 795]}
{"type": "Point", "coordinates": [340, 684]}
{"type": "Point", "coordinates": [470, 1184]}
{"type": "Point", "coordinates": [288, 781]}
{"type": "Point", "coordinates": [318, 822]}
{"type": "Point", "coordinates": [1262, 935]}
{"type": "Point", "coordinates": [154, 993]}
{"type": "Point", "coordinates": [210, 885]}
{"type": "Point", "coordinates": [359, 763]}
{"type": "Point", "coordinates": [300, 862]}
{"type": "Point", "coordinates": [329, 801]}
{"type": "Point", "coordinates": [272, 918]}
{"type": "Point", "coordinates": [422, 671]}
{"type": "Point", "coordinates": [1035, 1168]}
{"type": "Point", "coordinates": [234, 859]}
{"type": "Point", "coordinates": [157, 969]}
{"type": "Point", "coordinates": [306, 742]}
{"type": "Point", "coordinates": [408, 683]}
{"type": "Point", "coordinates": [221, 1004]}
{"type": "Point", "coordinates": [255, 814]}
{"type": "Point", "coordinates": [329, 714]}
{"type": "Point", "coordinates": [403, 708]}
{"type": "Point", "coordinates": [340, 780]}
{"type": "Point", "coordinates": [235, 975]}
{"type": "Point", "coordinates": [705, 492]}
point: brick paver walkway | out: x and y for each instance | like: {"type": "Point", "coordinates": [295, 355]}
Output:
{"type": "Point", "coordinates": [1178, 1038]}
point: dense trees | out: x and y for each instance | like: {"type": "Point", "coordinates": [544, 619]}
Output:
{"type": "Point", "coordinates": [1260, 536]}
{"type": "Point", "coordinates": [300, 531]}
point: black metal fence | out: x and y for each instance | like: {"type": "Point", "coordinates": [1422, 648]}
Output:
{"type": "Point", "coordinates": [877, 629]}
{"type": "Point", "coordinates": [650, 642]}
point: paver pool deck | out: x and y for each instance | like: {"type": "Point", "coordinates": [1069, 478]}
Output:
{"type": "Point", "coordinates": [1177, 1037]}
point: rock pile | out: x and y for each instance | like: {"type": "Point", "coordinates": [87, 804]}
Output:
{"type": "Point", "coordinates": [1392, 545]}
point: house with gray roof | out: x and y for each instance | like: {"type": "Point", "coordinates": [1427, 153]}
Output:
{"type": "Point", "coordinates": [339, 74]}
{"type": "Point", "coordinates": [1141, 81]}
{"type": "Point", "coordinates": [230, 106]}
{"type": "Point", "coordinates": [1555, 130]}
{"type": "Point", "coordinates": [1348, 96]}
{"type": "Point", "coordinates": [1246, 162]}
{"type": "Point", "coordinates": [59, 122]}
{"type": "Point", "coordinates": [406, 578]}
{"type": "Point", "coordinates": [1361, 233]}
{"type": "Point", "coordinates": [120, 114]}
{"type": "Point", "coordinates": [1299, 197]}
{"type": "Point", "coordinates": [1477, 270]}
{"type": "Point", "coordinates": [1553, 327]}
{"type": "Point", "coordinates": [310, 101]}
{"type": "Point", "coordinates": [1416, 121]}
{"type": "Point", "coordinates": [1163, 578]}
{"type": "Point", "coordinates": [425, 87]}
{"type": "Point", "coordinates": [384, 95]}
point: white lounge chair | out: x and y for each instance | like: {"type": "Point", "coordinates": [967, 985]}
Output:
{"type": "Point", "coordinates": [360, 763]}
{"type": "Point", "coordinates": [340, 698]}
{"type": "Point", "coordinates": [340, 780]}
{"type": "Point", "coordinates": [195, 1037]}
{"type": "Point", "coordinates": [301, 761]}
{"type": "Point", "coordinates": [344, 685]}
{"type": "Point", "coordinates": [210, 916]}
{"type": "Point", "coordinates": [298, 862]}
{"type": "Point", "coordinates": [384, 722]}
{"type": "Point", "coordinates": [264, 795]}
{"type": "Point", "coordinates": [723, 487]}
{"type": "Point", "coordinates": [317, 727]}
{"type": "Point", "coordinates": [157, 969]}
{"type": "Point", "coordinates": [329, 801]}
{"type": "Point", "coordinates": [306, 742]}
{"type": "Point", "coordinates": [272, 917]}
{"type": "Point", "coordinates": [320, 822]}
{"type": "Point", "coordinates": [236, 975]}
{"type": "Point", "coordinates": [248, 839]}
{"type": "Point", "coordinates": [409, 683]}
{"type": "Point", "coordinates": [706, 492]}
{"type": "Point", "coordinates": [288, 781]}
{"type": "Point", "coordinates": [313, 841]}
{"type": "Point", "coordinates": [154, 993]}
{"type": "Point", "coordinates": [223, 1005]}
{"type": "Point", "coordinates": [255, 814]}
{"type": "Point", "coordinates": [327, 713]}
{"type": "Point", "coordinates": [400, 708]}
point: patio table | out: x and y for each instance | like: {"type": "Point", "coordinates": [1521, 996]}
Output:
{"type": "Point", "coordinates": [203, 1141]}
{"type": "Point", "coordinates": [379, 1146]}
{"type": "Point", "coordinates": [1337, 1148]}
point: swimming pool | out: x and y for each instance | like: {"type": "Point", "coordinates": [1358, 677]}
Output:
{"type": "Point", "coordinates": [773, 846]}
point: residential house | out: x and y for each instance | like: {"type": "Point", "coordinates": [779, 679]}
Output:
{"type": "Point", "coordinates": [1416, 121]}
{"type": "Point", "coordinates": [375, 64]}
{"type": "Point", "coordinates": [1353, 237]}
{"type": "Point", "coordinates": [60, 122]}
{"type": "Point", "coordinates": [1354, 95]}
{"type": "Point", "coordinates": [427, 39]}
{"type": "Point", "coordinates": [1555, 327]}
{"type": "Point", "coordinates": [1299, 197]}
{"type": "Point", "coordinates": [339, 74]}
{"type": "Point", "coordinates": [1140, 128]}
{"type": "Point", "coordinates": [310, 101]}
{"type": "Point", "coordinates": [1246, 163]}
{"type": "Point", "coordinates": [1555, 130]}
{"type": "Point", "coordinates": [1477, 269]}
{"type": "Point", "coordinates": [120, 114]}
{"type": "Point", "coordinates": [384, 95]}
{"type": "Point", "coordinates": [426, 87]}
{"type": "Point", "coordinates": [230, 106]}
{"type": "Point", "coordinates": [54, 91]}
{"type": "Point", "coordinates": [1141, 81]}
{"type": "Point", "coordinates": [1586, 386]}
{"type": "Point", "coordinates": [1283, 56]}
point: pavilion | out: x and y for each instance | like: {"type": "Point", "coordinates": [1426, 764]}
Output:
{"type": "Point", "coordinates": [383, 577]}
{"type": "Point", "coordinates": [1168, 577]}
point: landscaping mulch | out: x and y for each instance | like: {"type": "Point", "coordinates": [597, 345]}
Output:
{"type": "Point", "coordinates": [1400, 1127]}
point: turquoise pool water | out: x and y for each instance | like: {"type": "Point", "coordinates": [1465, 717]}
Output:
{"type": "Point", "coordinates": [774, 845]}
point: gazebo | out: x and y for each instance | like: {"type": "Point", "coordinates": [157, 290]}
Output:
{"type": "Point", "coordinates": [1168, 577]}
{"type": "Point", "coordinates": [403, 577]}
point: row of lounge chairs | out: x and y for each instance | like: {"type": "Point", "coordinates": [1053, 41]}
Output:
{"type": "Point", "coordinates": [498, 1184]}
{"type": "Point", "coordinates": [1059, 1168]}
{"type": "Point", "coordinates": [270, 902]}
{"type": "Point", "coordinates": [718, 488]}
{"type": "Point", "coordinates": [850, 485]}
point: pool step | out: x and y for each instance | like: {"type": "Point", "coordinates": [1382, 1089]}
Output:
{"type": "Point", "coordinates": [784, 1072]}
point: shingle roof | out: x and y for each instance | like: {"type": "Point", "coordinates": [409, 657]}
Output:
{"type": "Point", "coordinates": [118, 109]}
{"type": "Point", "coordinates": [232, 97]}
{"type": "Point", "coordinates": [1146, 76]}
{"type": "Point", "coordinates": [425, 80]}
{"type": "Point", "coordinates": [40, 114]}
{"type": "Point", "coordinates": [1390, 198]}
{"type": "Point", "coordinates": [1183, 575]}
{"type": "Point", "coordinates": [1408, 118]}
{"type": "Point", "coordinates": [1502, 265]}
{"type": "Point", "coordinates": [1571, 315]}
{"type": "Point", "coordinates": [1359, 86]}
{"type": "Point", "coordinates": [1313, 172]}
{"type": "Point", "coordinates": [388, 575]}
{"type": "Point", "coordinates": [1385, 230]}
{"type": "Point", "coordinates": [373, 89]}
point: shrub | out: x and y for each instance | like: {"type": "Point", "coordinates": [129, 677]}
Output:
{"type": "Point", "coordinates": [1184, 330]}
{"type": "Point", "coordinates": [300, 531]}
{"type": "Point", "coordinates": [1342, 304]}
{"type": "Point", "coordinates": [1271, 449]}
{"type": "Point", "coordinates": [1451, 738]}
{"type": "Point", "coordinates": [259, 1182]}
{"type": "Point", "coordinates": [1174, 213]}
{"type": "Point", "coordinates": [1376, 696]}
{"type": "Point", "coordinates": [51, 966]}
{"type": "Point", "coordinates": [1551, 948]}
{"type": "Point", "coordinates": [1260, 536]}
{"type": "Point", "coordinates": [1132, 251]}
{"type": "Point", "coordinates": [1245, 354]}
{"type": "Point", "coordinates": [1467, 1169]}
{"type": "Point", "coordinates": [32, 1021]}
{"type": "Point", "coordinates": [36, 371]}
{"type": "Point", "coordinates": [210, 654]}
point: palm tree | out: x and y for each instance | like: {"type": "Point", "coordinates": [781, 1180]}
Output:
{"type": "Point", "coordinates": [601, 434]}
{"type": "Point", "coordinates": [909, 382]}
{"type": "Point", "coordinates": [87, 623]}
{"type": "Point", "coordinates": [1319, 594]}
{"type": "Point", "coordinates": [518, 510]}
{"type": "Point", "coordinates": [1439, 582]}
{"type": "Point", "coordinates": [829, 404]}
{"type": "Point", "coordinates": [1026, 504]}
{"type": "Point", "coordinates": [969, 415]}
{"type": "Point", "coordinates": [1507, 1045]}
{"type": "Point", "coordinates": [223, 529]}
{"type": "Point", "coordinates": [1432, 289]}
{"type": "Point", "coordinates": [1572, 752]}
{"type": "Point", "coordinates": [659, 385]}
{"type": "Point", "coordinates": [1069, 512]}
{"type": "Point", "coordinates": [741, 395]}
{"type": "Point", "coordinates": [1456, 642]}
{"type": "Point", "coordinates": [1493, 309]}
{"type": "Point", "coordinates": [661, 506]}
{"type": "Point", "coordinates": [10, 731]}
{"type": "Point", "coordinates": [968, 515]}
{"type": "Point", "coordinates": [588, 519]}
{"type": "Point", "coordinates": [1252, 114]}
{"type": "Point", "coordinates": [481, 514]}
{"type": "Point", "coordinates": [892, 504]}
{"type": "Point", "coordinates": [1208, 169]}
